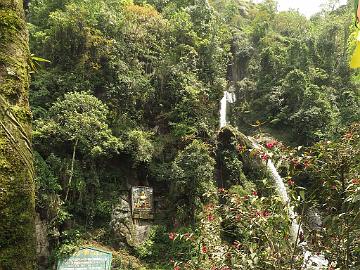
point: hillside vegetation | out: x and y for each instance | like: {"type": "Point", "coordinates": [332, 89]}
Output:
{"type": "Point", "coordinates": [127, 93]}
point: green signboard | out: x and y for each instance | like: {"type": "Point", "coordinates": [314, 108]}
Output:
{"type": "Point", "coordinates": [87, 258]}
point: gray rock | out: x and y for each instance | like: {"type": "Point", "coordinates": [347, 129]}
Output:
{"type": "Point", "coordinates": [42, 242]}
{"type": "Point", "coordinates": [125, 228]}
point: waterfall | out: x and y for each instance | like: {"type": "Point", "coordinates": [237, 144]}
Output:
{"type": "Point", "coordinates": [223, 108]}
{"type": "Point", "coordinates": [311, 261]}
{"type": "Point", "coordinates": [229, 97]}
{"type": "Point", "coordinates": [281, 189]}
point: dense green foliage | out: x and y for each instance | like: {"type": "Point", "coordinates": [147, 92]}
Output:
{"type": "Point", "coordinates": [130, 96]}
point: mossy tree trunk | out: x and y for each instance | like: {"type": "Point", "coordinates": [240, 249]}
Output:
{"type": "Point", "coordinates": [17, 203]}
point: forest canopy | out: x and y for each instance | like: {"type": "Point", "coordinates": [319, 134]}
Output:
{"type": "Point", "coordinates": [127, 93]}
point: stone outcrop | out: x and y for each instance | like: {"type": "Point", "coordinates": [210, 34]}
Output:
{"type": "Point", "coordinates": [42, 243]}
{"type": "Point", "coordinates": [126, 230]}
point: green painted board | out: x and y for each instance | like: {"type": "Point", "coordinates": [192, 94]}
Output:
{"type": "Point", "coordinates": [87, 258]}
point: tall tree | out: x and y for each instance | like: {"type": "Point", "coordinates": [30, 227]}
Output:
{"type": "Point", "coordinates": [17, 205]}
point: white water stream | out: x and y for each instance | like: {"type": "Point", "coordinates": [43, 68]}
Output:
{"type": "Point", "coordinates": [229, 97]}
{"type": "Point", "coordinates": [311, 261]}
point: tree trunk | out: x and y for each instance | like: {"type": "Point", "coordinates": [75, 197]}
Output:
{"type": "Point", "coordinates": [17, 202]}
{"type": "Point", "coordinates": [71, 170]}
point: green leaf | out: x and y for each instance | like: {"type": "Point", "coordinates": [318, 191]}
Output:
{"type": "Point", "coordinates": [302, 194]}
{"type": "Point", "coordinates": [39, 59]}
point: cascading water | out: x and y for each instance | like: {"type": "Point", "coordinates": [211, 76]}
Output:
{"type": "Point", "coordinates": [229, 97]}
{"type": "Point", "coordinates": [281, 189]}
{"type": "Point", "coordinates": [311, 261]}
{"type": "Point", "coordinates": [223, 108]}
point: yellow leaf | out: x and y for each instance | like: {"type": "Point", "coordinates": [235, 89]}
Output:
{"type": "Point", "coordinates": [355, 59]}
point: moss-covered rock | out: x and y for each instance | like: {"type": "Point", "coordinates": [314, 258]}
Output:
{"type": "Point", "coordinates": [17, 204]}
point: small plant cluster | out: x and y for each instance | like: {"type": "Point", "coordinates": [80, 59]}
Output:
{"type": "Point", "coordinates": [258, 229]}
{"type": "Point", "coordinates": [326, 176]}
{"type": "Point", "coordinates": [332, 173]}
{"type": "Point", "coordinates": [247, 231]}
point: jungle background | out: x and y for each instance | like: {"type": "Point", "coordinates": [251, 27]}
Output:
{"type": "Point", "coordinates": [127, 92]}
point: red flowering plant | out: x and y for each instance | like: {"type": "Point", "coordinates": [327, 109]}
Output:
{"type": "Point", "coordinates": [330, 172]}
{"type": "Point", "coordinates": [207, 248]}
{"type": "Point", "coordinates": [257, 228]}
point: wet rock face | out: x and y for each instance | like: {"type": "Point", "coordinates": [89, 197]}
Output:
{"type": "Point", "coordinates": [314, 219]}
{"type": "Point", "coordinates": [128, 231]}
{"type": "Point", "coordinates": [121, 221]}
{"type": "Point", "coordinates": [42, 242]}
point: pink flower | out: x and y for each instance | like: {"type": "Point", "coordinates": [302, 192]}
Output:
{"type": "Point", "coordinates": [270, 145]}
{"type": "Point", "coordinates": [236, 244]}
{"type": "Point", "coordinates": [204, 249]}
{"type": "Point", "coordinates": [264, 157]}
{"type": "Point", "coordinates": [172, 236]}
{"type": "Point", "coordinates": [211, 218]}
{"type": "Point", "coordinates": [177, 268]}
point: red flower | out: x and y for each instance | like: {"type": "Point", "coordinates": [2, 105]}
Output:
{"type": "Point", "coordinates": [172, 236]}
{"type": "Point", "coordinates": [241, 148]}
{"type": "Point", "coordinates": [291, 182]}
{"type": "Point", "coordinates": [204, 249]}
{"type": "Point", "coordinates": [254, 193]}
{"type": "Point", "coordinates": [236, 244]}
{"type": "Point", "coordinates": [270, 145]}
{"type": "Point", "coordinates": [211, 218]}
{"type": "Point", "coordinates": [177, 268]}
{"type": "Point", "coordinates": [264, 157]}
